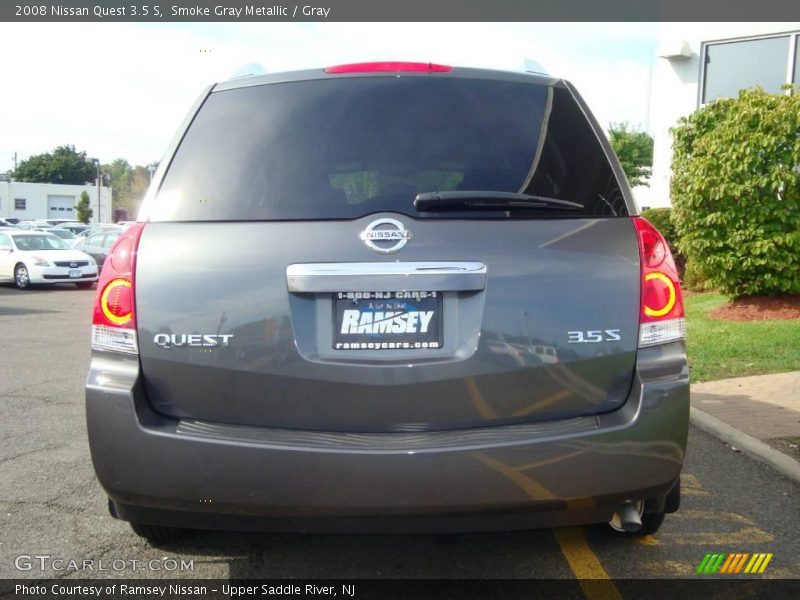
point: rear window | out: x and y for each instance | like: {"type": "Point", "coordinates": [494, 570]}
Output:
{"type": "Point", "coordinates": [347, 147]}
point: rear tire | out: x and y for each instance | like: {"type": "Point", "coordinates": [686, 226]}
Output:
{"type": "Point", "coordinates": [22, 278]}
{"type": "Point", "coordinates": [156, 535]}
{"type": "Point", "coordinates": [84, 285]}
{"type": "Point", "coordinates": [673, 501]}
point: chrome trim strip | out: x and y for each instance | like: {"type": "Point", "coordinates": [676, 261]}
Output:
{"type": "Point", "coordinates": [386, 276]}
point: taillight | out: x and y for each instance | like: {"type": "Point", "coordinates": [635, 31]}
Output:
{"type": "Point", "coordinates": [391, 67]}
{"type": "Point", "coordinates": [114, 319]}
{"type": "Point", "coordinates": [661, 316]}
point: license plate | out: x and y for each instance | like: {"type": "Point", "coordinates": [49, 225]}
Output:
{"type": "Point", "coordinates": [387, 320]}
{"type": "Point", "coordinates": [74, 273]}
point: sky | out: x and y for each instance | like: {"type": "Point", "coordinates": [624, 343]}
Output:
{"type": "Point", "coordinates": [120, 90]}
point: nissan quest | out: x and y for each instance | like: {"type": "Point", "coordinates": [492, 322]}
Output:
{"type": "Point", "coordinates": [389, 297]}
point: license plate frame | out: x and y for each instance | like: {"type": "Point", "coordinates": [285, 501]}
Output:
{"type": "Point", "coordinates": [75, 273]}
{"type": "Point", "coordinates": [409, 326]}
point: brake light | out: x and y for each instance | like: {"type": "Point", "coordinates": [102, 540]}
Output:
{"type": "Point", "coordinates": [114, 318]}
{"type": "Point", "coordinates": [389, 67]}
{"type": "Point", "coordinates": [661, 318]}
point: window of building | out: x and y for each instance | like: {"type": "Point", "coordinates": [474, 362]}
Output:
{"type": "Point", "coordinates": [733, 66]}
{"type": "Point", "coordinates": [19, 203]}
{"type": "Point", "coordinates": [797, 61]}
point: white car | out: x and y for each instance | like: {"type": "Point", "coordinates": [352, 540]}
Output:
{"type": "Point", "coordinates": [31, 257]}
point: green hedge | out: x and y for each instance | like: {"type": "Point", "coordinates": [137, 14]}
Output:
{"type": "Point", "coordinates": [736, 192]}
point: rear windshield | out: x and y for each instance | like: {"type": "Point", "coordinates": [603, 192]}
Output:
{"type": "Point", "coordinates": [347, 147]}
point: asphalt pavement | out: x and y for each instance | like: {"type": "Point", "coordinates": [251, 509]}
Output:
{"type": "Point", "coordinates": [52, 505]}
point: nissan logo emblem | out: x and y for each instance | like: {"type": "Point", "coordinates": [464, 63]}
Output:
{"type": "Point", "coordinates": [385, 236]}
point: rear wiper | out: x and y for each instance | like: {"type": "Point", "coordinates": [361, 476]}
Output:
{"type": "Point", "coordinates": [484, 200]}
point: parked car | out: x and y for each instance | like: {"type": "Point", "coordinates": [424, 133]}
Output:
{"type": "Point", "coordinates": [324, 321]}
{"type": "Point", "coordinates": [32, 257]}
{"type": "Point", "coordinates": [34, 225]}
{"type": "Point", "coordinates": [76, 228]}
{"type": "Point", "coordinates": [65, 234]}
{"type": "Point", "coordinates": [97, 228]}
{"type": "Point", "coordinates": [97, 243]}
{"type": "Point", "coordinates": [5, 223]}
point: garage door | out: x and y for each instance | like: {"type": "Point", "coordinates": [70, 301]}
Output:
{"type": "Point", "coordinates": [61, 207]}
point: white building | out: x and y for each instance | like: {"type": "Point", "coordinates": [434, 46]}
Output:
{"type": "Point", "coordinates": [29, 201]}
{"type": "Point", "coordinates": [698, 62]}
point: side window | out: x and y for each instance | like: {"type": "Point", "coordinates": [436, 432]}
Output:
{"type": "Point", "coordinates": [5, 241]}
{"type": "Point", "coordinates": [95, 240]}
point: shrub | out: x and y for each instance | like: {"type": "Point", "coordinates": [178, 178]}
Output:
{"type": "Point", "coordinates": [662, 219]}
{"type": "Point", "coordinates": [736, 192]}
{"type": "Point", "coordinates": [694, 278]}
{"type": "Point", "coordinates": [82, 210]}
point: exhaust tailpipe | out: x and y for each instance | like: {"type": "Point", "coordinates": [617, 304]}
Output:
{"type": "Point", "coordinates": [628, 517]}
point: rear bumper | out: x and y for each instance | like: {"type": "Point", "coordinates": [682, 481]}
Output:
{"type": "Point", "coordinates": [191, 474]}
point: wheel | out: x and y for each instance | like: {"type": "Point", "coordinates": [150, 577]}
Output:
{"type": "Point", "coordinates": [21, 276]}
{"type": "Point", "coordinates": [156, 534]}
{"type": "Point", "coordinates": [83, 285]}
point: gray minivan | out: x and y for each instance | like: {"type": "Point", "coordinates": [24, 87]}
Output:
{"type": "Point", "coordinates": [328, 316]}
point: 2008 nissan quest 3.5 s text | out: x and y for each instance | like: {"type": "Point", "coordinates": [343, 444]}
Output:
{"type": "Point", "coordinates": [389, 297]}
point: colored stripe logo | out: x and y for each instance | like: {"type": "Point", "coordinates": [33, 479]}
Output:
{"type": "Point", "coordinates": [735, 562]}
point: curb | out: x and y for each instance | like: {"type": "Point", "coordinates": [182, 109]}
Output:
{"type": "Point", "coordinates": [756, 448]}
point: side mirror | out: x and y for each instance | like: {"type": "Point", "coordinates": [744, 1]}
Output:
{"type": "Point", "coordinates": [7, 249]}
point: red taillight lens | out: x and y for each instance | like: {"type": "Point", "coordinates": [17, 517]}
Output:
{"type": "Point", "coordinates": [114, 319]}
{"type": "Point", "coordinates": [389, 67]}
{"type": "Point", "coordinates": [661, 317]}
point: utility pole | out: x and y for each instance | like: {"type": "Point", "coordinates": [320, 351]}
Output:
{"type": "Point", "coordinates": [15, 161]}
{"type": "Point", "coordinates": [96, 162]}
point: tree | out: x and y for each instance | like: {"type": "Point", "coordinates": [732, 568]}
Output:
{"type": "Point", "coordinates": [635, 152]}
{"type": "Point", "coordinates": [119, 172]}
{"type": "Point", "coordinates": [129, 184]}
{"type": "Point", "coordinates": [62, 165]}
{"type": "Point", "coordinates": [82, 209]}
{"type": "Point", "coordinates": [736, 192]}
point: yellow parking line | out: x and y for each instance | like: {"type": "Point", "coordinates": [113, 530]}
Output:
{"type": "Point", "coordinates": [592, 577]}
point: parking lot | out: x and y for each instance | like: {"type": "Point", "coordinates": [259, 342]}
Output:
{"type": "Point", "coordinates": [52, 505]}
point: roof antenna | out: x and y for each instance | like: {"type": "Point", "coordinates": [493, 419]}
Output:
{"type": "Point", "coordinates": [249, 70]}
{"type": "Point", "coordinates": [532, 66]}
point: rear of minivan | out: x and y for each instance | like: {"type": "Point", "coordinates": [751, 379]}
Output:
{"type": "Point", "coordinates": [389, 297]}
